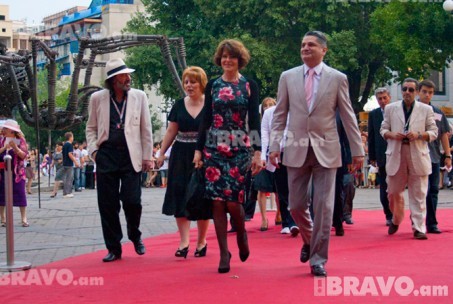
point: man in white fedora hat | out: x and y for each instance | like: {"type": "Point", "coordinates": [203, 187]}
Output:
{"type": "Point", "coordinates": [119, 138]}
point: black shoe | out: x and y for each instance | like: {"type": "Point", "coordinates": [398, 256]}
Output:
{"type": "Point", "coordinates": [182, 253]}
{"type": "Point", "coordinates": [202, 252]}
{"type": "Point", "coordinates": [139, 247]}
{"type": "Point", "coordinates": [110, 257]}
{"type": "Point", "coordinates": [339, 231]}
{"type": "Point", "coordinates": [78, 190]}
{"type": "Point", "coordinates": [227, 268]}
{"type": "Point", "coordinates": [294, 231]}
{"type": "Point", "coordinates": [231, 230]}
{"type": "Point", "coordinates": [349, 221]}
{"type": "Point", "coordinates": [318, 271]}
{"type": "Point", "coordinates": [247, 219]}
{"type": "Point", "coordinates": [243, 245]}
{"type": "Point", "coordinates": [305, 253]}
{"type": "Point", "coordinates": [434, 230]}
{"type": "Point", "coordinates": [420, 235]}
{"type": "Point", "coordinates": [388, 222]}
{"type": "Point", "coordinates": [393, 228]}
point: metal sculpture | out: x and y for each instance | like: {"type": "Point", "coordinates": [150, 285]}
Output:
{"type": "Point", "coordinates": [18, 78]}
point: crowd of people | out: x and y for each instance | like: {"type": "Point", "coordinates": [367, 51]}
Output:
{"type": "Point", "coordinates": [305, 147]}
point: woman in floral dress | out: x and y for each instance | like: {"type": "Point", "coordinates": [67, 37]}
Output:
{"type": "Point", "coordinates": [228, 149]}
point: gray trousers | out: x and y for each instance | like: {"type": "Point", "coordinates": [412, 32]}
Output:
{"type": "Point", "coordinates": [68, 177]}
{"type": "Point", "coordinates": [316, 233]}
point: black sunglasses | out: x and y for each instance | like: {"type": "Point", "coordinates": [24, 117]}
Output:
{"type": "Point", "coordinates": [412, 90]}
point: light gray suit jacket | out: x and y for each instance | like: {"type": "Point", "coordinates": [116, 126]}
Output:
{"type": "Point", "coordinates": [317, 127]}
{"type": "Point", "coordinates": [137, 125]}
{"type": "Point", "coordinates": [421, 120]}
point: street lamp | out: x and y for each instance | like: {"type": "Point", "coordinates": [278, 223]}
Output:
{"type": "Point", "coordinates": [448, 6]}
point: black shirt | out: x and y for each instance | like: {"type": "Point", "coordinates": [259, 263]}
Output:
{"type": "Point", "coordinates": [117, 139]}
{"type": "Point", "coordinates": [67, 148]}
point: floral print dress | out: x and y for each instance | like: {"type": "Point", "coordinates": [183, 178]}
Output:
{"type": "Point", "coordinates": [224, 140]}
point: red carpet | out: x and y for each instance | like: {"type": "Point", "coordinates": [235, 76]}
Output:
{"type": "Point", "coordinates": [378, 265]}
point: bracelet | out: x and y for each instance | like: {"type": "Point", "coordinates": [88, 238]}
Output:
{"type": "Point", "coordinates": [447, 156]}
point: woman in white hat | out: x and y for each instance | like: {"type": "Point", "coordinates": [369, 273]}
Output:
{"type": "Point", "coordinates": [14, 144]}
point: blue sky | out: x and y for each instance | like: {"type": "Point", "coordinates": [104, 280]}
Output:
{"type": "Point", "coordinates": [36, 10]}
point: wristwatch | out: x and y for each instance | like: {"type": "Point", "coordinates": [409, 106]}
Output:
{"type": "Point", "coordinates": [447, 156]}
{"type": "Point", "coordinates": [420, 136]}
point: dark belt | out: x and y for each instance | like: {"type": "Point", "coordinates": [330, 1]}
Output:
{"type": "Point", "coordinates": [406, 142]}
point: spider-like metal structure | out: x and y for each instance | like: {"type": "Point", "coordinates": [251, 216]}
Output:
{"type": "Point", "coordinates": [18, 77]}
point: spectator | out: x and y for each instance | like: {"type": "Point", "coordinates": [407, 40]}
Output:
{"type": "Point", "coordinates": [57, 161]}
{"type": "Point", "coordinates": [68, 164]}
{"type": "Point", "coordinates": [14, 144]}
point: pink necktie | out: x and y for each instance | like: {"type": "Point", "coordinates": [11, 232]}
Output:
{"type": "Point", "coordinates": [309, 87]}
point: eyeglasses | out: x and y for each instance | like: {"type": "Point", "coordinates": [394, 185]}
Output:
{"type": "Point", "coordinates": [412, 90]}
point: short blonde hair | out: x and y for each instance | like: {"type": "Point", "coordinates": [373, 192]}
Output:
{"type": "Point", "coordinates": [236, 49]}
{"type": "Point", "coordinates": [266, 101]}
{"type": "Point", "coordinates": [196, 73]}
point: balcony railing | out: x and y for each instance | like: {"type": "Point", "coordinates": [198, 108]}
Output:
{"type": "Point", "coordinates": [105, 2]}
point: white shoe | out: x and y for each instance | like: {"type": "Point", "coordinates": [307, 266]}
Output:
{"type": "Point", "coordinates": [294, 230]}
{"type": "Point", "coordinates": [68, 195]}
{"type": "Point", "coordinates": [285, 231]}
{"type": "Point", "coordinates": [83, 188]}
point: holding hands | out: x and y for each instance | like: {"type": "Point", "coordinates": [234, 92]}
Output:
{"type": "Point", "coordinates": [197, 160]}
{"type": "Point", "coordinates": [257, 163]}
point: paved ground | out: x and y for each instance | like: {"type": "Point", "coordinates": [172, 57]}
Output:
{"type": "Point", "coordinates": [63, 228]}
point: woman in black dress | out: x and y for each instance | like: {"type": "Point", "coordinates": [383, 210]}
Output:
{"type": "Point", "coordinates": [226, 145]}
{"type": "Point", "coordinates": [185, 118]}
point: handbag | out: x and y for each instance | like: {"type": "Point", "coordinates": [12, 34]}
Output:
{"type": "Point", "coordinates": [197, 206]}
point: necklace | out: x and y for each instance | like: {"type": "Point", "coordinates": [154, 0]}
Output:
{"type": "Point", "coordinates": [120, 125]}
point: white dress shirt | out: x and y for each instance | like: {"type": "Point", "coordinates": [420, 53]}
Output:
{"type": "Point", "coordinates": [266, 127]}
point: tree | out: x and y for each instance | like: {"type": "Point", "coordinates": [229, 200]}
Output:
{"type": "Point", "coordinates": [272, 30]}
{"type": "Point", "coordinates": [415, 37]}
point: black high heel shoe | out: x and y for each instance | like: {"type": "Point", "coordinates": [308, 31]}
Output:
{"type": "Point", "coordinates": [243, 245]}
{"type": "Point", "coordinates": [182, 253]}
{"type": "Point", "coordinates": [202, 252]}
{"type": "Point", "coordinates": [226, 269]}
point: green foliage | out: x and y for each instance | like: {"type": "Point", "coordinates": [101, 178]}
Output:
{"type": "Point", "coordinates": [416, 37]}
{"type": "Point", "coordinates": [156, 122]}
{"type": "Point", "coordinates": [365, 38]}
{"type": "Point", "coordinates": [62, 89]}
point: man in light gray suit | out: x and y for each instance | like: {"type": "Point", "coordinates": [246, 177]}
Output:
{"type": "Point", "coordinates": [408, 126]}
{"type": "Point", "coordinates": [119, 138]}
{"type": "Point", "coordinates": [311, 94]}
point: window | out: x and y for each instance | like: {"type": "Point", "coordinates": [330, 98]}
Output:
{"type": "Point", "coordinates": [439, 80]}
{"type": "Point", "coordinates": [23, 44]}
{"type": "Point", "coordinates": [4, 30]}
{"type": "Point", "coordinates": [2, 17]}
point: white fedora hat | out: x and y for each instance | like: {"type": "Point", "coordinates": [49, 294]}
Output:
{"type": "Point", "coordinates": [12, 125]}
{"type": "Point", "coordinates": [116, 66]}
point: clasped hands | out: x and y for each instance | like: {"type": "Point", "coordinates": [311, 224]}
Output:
{"type": "Point", "coordinates": [410, 135]}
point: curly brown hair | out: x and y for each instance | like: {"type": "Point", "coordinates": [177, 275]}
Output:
{"type": "Point", "coordinates": [236, 49]}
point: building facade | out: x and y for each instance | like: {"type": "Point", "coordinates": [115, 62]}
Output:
{"type": "Point", "coordinates": [6, 27]}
